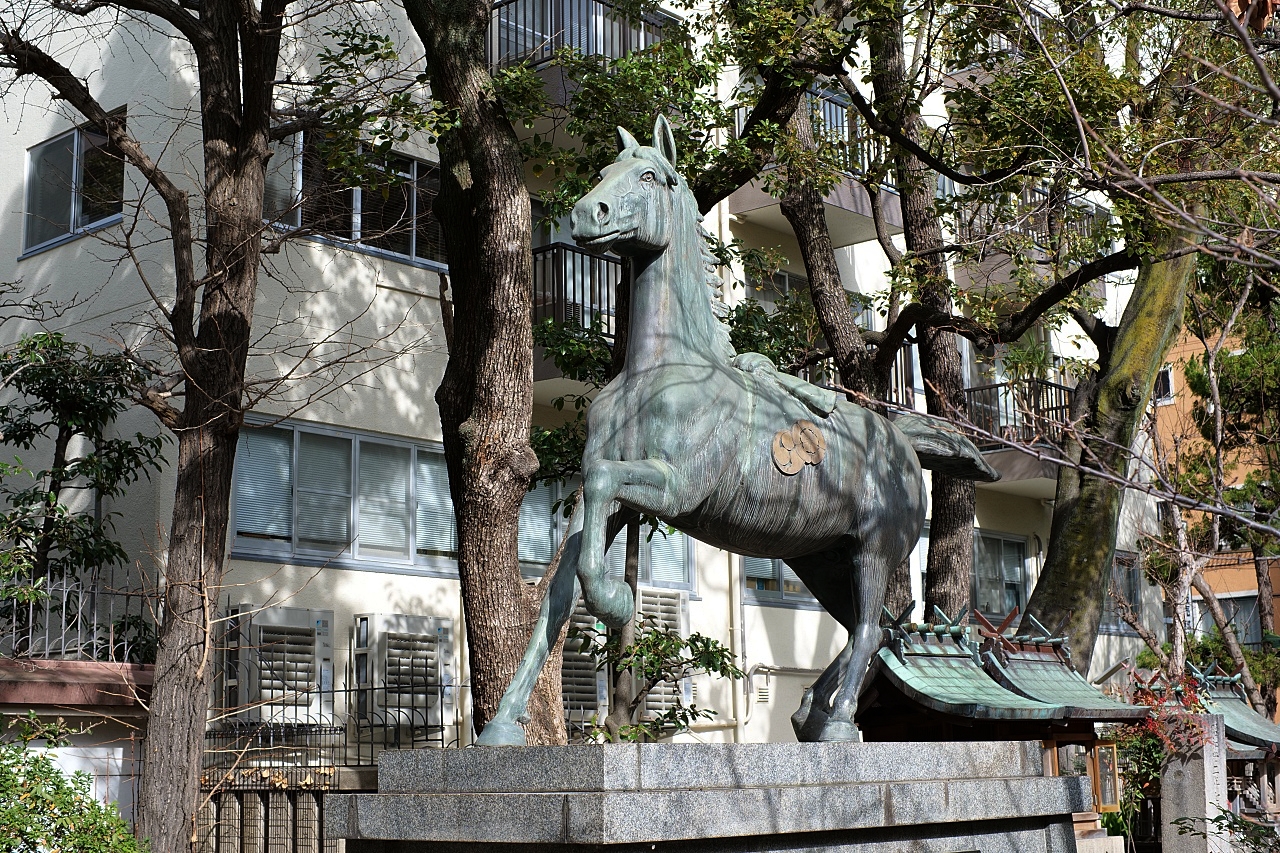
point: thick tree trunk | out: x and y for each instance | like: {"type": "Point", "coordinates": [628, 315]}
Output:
{"type": "Point", "coordinates": [1082, 539]}
{"type": "Point", "coordinates": [950, 561]}
{"type": "Point", "coordinates": [1266, 612]}
{"type": "Point", "coordinates": [213, 353]}
{"type": "Point", "coordinates": [214, 360]}
{"type": "Point", "coordinates": [185, 656]}
{"type": "Point", "coordinates": [802, 206]}
{"type": "Point", "coordinates": [486, 397]}
{"type": "Point", "coordinates": [1266, 595]}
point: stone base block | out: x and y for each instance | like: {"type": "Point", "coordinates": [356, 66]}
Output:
{"type": "Point", "coordinates": [689, 798]}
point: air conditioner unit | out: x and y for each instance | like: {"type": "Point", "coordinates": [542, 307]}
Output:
{"type": "Point", "coordinates": [278, 665]}
{"type": "Point", "coordinates": [585, 691]}
{"type": "Point", "coordinates": [667, 609]}
{"type": "Point", "coordinates": [402, 669]}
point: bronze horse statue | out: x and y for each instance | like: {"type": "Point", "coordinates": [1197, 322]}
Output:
{"type": "Point", "coordinates": [726, 449]}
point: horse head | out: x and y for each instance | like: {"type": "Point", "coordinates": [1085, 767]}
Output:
{"type": "Point", "coordinates": [632, 209]}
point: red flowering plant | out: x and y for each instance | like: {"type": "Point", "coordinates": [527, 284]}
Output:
{"type": "Point", "coordinates": [1172, 728]}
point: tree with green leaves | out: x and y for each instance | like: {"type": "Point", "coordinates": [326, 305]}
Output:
{"type": "Point", "coordinates": [44, 809]}
{"type": "Point", "coordinates": [188, 180]}
{"type": "Point", "coordinates": [66, 399]}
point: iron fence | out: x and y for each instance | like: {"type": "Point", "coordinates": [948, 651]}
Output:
{"type": "Point", "coordinates": [533, 30]}
{"type": "Point", "coordinates": [253, 747]}
{"type": "Point", "coordinates": [100, 617]}
{"type": "Point", "coordinates": [902, 381]}
{"type": "Point", "coordinates": [1032, 411]}
{"type": "Point", "coordinates": [574, 286]}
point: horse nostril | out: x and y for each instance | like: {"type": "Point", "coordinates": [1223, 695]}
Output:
{"type": "Point", "coordinates": [602, 212]}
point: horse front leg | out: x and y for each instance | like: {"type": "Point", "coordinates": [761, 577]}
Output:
{"type": "Point", "coordinates": [647, 486]}
{"type": "Point", "coordinates": [506, 729]}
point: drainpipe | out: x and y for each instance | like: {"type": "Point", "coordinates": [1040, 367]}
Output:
{"type": "Point", "coordinates": [737, 644]}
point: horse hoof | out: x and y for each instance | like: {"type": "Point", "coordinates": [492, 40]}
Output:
{"type": "Point", "coordinates": [801, 716]}
{"type": "Point", "coordinates": [840, 731]}
{"type": "Point", "coordinates": [501, 733]}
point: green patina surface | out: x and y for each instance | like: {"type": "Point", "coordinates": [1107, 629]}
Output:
{"type": "Point", "coordinates": [1043, 676]}
{"type": "Point", "coordinates": [945, 678]}
{"type": "Point", "coordinates": [1243, 723]}
{"type": "Point", "coordinates": [1237, 751]}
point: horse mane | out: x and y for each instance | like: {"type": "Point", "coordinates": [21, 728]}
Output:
{"type": "Point", "coordinates": [710, 266]}
{"type": "Point", "coordinates": [710, 275]}
{"type": "Point", "coordinates": [715, 286]}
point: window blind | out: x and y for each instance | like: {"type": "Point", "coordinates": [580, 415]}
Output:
{"type": "Point", "coordinates": [436, 527]}
{"type": "Point", "coordinates": [383, 501]}
{"type": "Point", "coordinates": [324, 492]}
{"type": "Point", "coordinates": [264, 487]}
{"type": "Point", "coordinates": [668, 557]}
{"type": "Point", "coordinates": [758, 567]}
{"type": "Point", "coordinates": [537, 526]}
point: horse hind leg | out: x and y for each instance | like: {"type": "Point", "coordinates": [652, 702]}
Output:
{"type": "Point", "coordinates": [815, 707]}
{"type": "Point", "coordinates": [826, 575]}
{"type": "Point", "coordinates": [868, 579]}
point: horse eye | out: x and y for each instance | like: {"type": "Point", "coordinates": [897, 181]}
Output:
{"type": "Point", "coordinates": [648, 177]}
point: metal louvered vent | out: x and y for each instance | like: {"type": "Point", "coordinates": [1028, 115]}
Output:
{"type": "Point", "coordinates": [413, 663]}
{"type": "Point", "coordinates": [287, 664]}
{"type": "Point", "coordinates": [578, 677]}
{"type": "Point", "coordinates": [662, 609]}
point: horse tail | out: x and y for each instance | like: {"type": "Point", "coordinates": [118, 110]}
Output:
{"type": "Point", "coordinates": [942, 448]}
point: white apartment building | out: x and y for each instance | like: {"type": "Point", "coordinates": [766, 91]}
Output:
{"type": "Point", "coordinates": [342, 586]}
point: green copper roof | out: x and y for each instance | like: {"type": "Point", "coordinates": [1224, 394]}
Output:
{"type": "Point", "coordinates": [1044, 676]}
{"type": "Point", "coordinates": [1237, 751]}
{"type": "Point", "coordinates": [1243, 723]}
{"type": "Point", "coordinates": [944, 677]}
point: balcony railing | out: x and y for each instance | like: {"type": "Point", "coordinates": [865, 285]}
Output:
{"type": "Point", "coordinates": [76, 618]}
{"type": "Point", "coordinates": [533, 30]}
{"type": "Point", "coordinates": [902, 390]}
{"type": "Point", "coordinates": [1032, 411]}
{"type": "Point", "coordinates": [574, 286]}
{"type": "Point", "coordinates": [837, 123]}
{"type": "Point", "coordinates": [1027, 215]}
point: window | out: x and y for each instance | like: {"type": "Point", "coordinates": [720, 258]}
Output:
{"type": "Point", "coordinates": [665, 558]}
{"type": "Point", "coordinates": [1162, 394]}
{"type": "Point", "coordinates": [333, 495]}
{"type": "Point", "coordinates": [1242, 614]}
{"type": "Point", "coordinates": [999, 579]}
{"type": "Point", "coordinates": [769, 581]}
{"type": "Point", "coordinates": [782, 283]}
{"type": "Point", "coordinates": [75, 182]}
{"type": "Point", "coordinates": [390, 212]}
{"type": "Point", "coordinates": [1126, 580]}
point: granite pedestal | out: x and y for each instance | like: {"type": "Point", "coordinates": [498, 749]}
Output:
{"type": "Point", "coordinates": [688, 798]}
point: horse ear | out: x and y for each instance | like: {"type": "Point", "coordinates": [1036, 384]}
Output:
{"type": "Point", "coordinates": [664, 140]}
{"type": "Point", "coordinates": [626, 141]}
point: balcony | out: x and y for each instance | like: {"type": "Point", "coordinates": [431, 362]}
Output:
{"type": "Point", "coordinates": [1031, 412]}
{"type": "Point", "coordinates": [572, 286]}
{"type": "Point", "coordinates": [85, 645]}
{"type": "Point", "coordinates": [531, 31]}
{"type": "Point", "coordinates": [1027, 215]}
{"type": "Point", "coordinates": [847, 205]}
